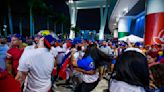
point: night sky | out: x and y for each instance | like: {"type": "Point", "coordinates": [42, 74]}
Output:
{"type": "Point", "coordinates": [87, 19]}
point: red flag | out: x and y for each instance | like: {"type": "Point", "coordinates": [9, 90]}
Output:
{"type": "Point", "coordinates": [8, 83]}
{"type": "Point", "coordinates": [62, 72]}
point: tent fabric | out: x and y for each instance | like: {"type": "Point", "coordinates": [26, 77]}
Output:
{"type": "Point", "coordinates": [131, 38]}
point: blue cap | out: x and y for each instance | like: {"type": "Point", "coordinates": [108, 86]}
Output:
{"type": "Point", "coordinates": [59, 40]}
{"type": "Point", "coordinates": [20, 37]}
{"type": "Point", "coordinates": [122, 44]}
{"type": "Point", "coordinates": [17, 36]}
{"type": "Point", "coordinates": [137, 44]}
{"type": "Point", "coordinates": [113, 44]}
{"type": "Point", "coordinates": [77, 40]}
{"type": "Point", "coordinates": [50, 39]}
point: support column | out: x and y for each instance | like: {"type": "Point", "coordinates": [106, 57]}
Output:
{"type": "Point", "coordinates": [33, 26]}
{"type": "Point", "coordinates": [115, 33]}
{"type": "Point", "coordinates": [73, 16]}
{"type": "Point", "coordinates": [103, 17]}
{"type": "Point", "coordinates": [10, 20]}
{"type": "Point", "coordinates": [31, 22]}
{"type": "Point", "coordinates": [154, 25]}
{"type": "Point", "coordinates": [20, 26]}
{"type": "Point", "coordinates": [124, 26]}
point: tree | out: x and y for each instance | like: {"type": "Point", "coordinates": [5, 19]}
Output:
{"type": "Point", "coordinates": [20, 24]}
{"type": "Point", "coordinates": [60, 20]}
{"type": "Point", "coordinates": [10, 17]}
{"type": "Point", "coordinates": [35, 4]}
{"type": "Point", "coordinates": [76, 30]}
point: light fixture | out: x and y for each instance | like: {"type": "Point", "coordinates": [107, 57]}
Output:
{"type": "Point", "coordinates": [115, 24]}
{"type": "Point", "coordinates": [138, 19]}
{"type": "Point", "coordinates": [5, 26]}
{"type": "Point", "coordinates": [70, 1]}
{"type": "Point", "coordinates": [126, 10]}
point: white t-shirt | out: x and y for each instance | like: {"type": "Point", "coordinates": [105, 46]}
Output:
{"type": "Point", "coordinates": [78, 55]}
{"type": "Point", "coordinates": [39, 64]}
{"type": "Point", "coordinates": [25, 52]}
{"type": "Point", "coordinates": [86, 77]}
{"type": "Point", "coordinates": [60, 55]}
{"type": "Point", "coordinates": [120, 86]}
{"type": "Point", "coordinates": [90, 78]}
{"type": "Point", "coordinates": [107, 50]}
{"type": "Point", "coordinates": [54, 51]}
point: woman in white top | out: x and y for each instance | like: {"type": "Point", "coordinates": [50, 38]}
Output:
{"type": "Point", "coordinates": [88, 65]}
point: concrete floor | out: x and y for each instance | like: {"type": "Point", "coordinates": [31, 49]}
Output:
{"type": "Point", "coordinates": [101, 87]}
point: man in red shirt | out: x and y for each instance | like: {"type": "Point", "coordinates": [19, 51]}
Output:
{"type": "Point", "coordinates": [14, 54]}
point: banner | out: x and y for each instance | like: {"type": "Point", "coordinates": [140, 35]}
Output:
{"type": "Point", "coordinates": [122, 34]}
{"type": "Point", "coordinates": [154, 29]}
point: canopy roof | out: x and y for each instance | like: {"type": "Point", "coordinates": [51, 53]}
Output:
{"type": "Point", "coordinates": [87, 4]}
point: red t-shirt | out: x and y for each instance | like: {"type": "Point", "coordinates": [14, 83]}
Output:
{"type": "Point", "coordinates": [8, 83]}
{"type": "Point", "coordinates": [14, 54]}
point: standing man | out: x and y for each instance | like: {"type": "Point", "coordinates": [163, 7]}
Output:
{"type": "Point", "coordinates": [3, 49]}
{"type": "Point", "coordinates": [37, 66]}
{"type": "Point", "coordinates": [14, 54]}
{"type": "Point", "coordinates": [105, 48]}
{"type": "Point", "coordinates": [108, 51]}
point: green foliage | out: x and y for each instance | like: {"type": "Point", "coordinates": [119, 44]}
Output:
{"type": "Point", "coordinates": [40, 7]}
{"type": "Point", "coordinates": [96, 37]}
{"type": "Point", "coordinates": [76, 30]}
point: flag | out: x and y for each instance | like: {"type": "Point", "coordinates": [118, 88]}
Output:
{"type": "Point", "coordinates": [65, 64]}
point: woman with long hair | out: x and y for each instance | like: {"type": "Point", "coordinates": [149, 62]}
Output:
{"type": "Point", "coordinates": [131, 73]}
{"type": "Point", "coordinates": [88, 65]}
{"type": "Point", "coordinates": [158, 76]}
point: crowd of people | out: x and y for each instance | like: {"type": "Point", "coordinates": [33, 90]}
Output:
{"type": "Point", "coordinates": [35, 64]}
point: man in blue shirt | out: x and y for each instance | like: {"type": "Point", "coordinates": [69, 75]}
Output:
{"type": "Point", "coordinates": [3, 49]}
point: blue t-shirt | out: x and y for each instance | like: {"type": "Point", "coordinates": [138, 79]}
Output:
{"type": "Point", "coordinates": [86, 63]}
{"type": "Point", "coordinates": [114, 61]}
{"type": "Point", "coordinates": [3, 51]}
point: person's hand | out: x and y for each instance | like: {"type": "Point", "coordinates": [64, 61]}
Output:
{"type": "Point", "coordinates": [115, 56]}
{"type": "Point", "coordinates": [152, 86]}
{"type": "Point", "coordinates": [73, 51]}
{"type": "Point", "coordinates": [91, 72]}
